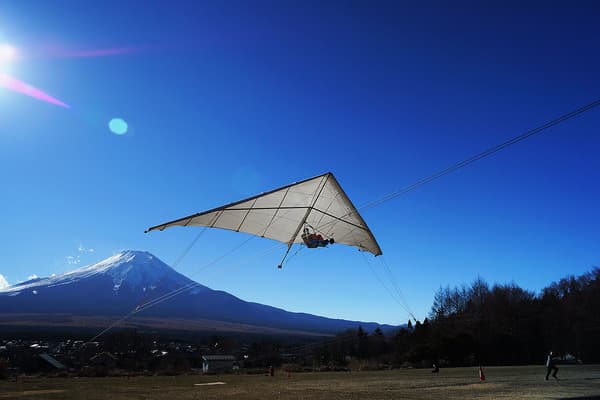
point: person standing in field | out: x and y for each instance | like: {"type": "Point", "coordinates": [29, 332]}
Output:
{"type": "Point", "coordinates": [551, 366]}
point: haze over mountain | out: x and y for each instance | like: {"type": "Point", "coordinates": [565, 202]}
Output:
{"type": "Point", "coordinates": [132, 279]}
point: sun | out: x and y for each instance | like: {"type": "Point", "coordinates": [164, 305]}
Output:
{"type": "Point", "coordinates": [8, 53]}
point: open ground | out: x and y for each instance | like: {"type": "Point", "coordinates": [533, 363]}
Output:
{"type": "Point", "coordinates": [523, 382]}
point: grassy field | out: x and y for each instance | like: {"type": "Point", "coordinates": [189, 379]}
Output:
{"type": "Point", "coordinates": [576, 382]}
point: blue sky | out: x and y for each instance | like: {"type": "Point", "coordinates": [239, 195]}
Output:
{"type": "Point", "coordinates": [227, 99]}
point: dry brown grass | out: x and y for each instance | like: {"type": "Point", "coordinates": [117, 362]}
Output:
{"type": "Point", "coordinates": [455, 383]}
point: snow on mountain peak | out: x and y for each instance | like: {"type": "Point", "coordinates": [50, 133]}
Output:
{"type": "Point", "coordinates": [135, 267]}
{"type": "Point", "coordinates": [140, 269]}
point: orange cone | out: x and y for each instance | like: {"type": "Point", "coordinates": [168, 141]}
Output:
{"type": "Point", "coordinates": [481, 374]}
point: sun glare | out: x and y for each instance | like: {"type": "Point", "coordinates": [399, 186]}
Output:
{"type": "Point", "coordinates": [7, 53]}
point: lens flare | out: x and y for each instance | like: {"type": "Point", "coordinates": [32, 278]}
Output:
{"type": "Point", "coordinates": [59, 51]}
{"type": "Point", "coordinates": [14, 84]}
{"type": "Point", "coordinates": [118, 126]}
{"type": "Point", "coordinates": [115, 51]}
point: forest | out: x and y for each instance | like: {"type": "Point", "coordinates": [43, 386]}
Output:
{"type": "Point", "coordinates": [483, 324]}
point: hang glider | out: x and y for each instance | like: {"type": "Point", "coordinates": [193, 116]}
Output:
{"type": "Point", "coordinates": [315, 211]}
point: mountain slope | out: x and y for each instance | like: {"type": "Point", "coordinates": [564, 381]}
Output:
{"type": "Point", "coordinates": [123, 282]}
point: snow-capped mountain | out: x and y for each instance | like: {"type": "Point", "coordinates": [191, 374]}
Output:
{"type": "Point", "coordinates": [137, 270]}
{"type": "Point", "coordinates": [132, 279]}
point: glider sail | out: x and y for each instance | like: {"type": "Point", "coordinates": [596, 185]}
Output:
{"type": "Point", "coordinates": [281, 214]}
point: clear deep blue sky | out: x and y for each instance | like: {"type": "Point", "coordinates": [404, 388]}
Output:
{"type": "Point", "coordinates": [228, 99]}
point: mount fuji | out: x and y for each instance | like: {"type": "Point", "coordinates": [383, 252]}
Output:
{"type": "Point", "coordinates": [131, 280]}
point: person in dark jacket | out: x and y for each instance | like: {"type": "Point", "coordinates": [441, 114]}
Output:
{"type": "Point", "coordinates": [551, 366]}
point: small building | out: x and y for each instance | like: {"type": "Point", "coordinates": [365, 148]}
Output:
{"type": "Point", "coordinates": [217, 363]}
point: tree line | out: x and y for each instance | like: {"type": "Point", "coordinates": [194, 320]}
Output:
{"type": "Point", "coordinates": [498, 324]}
